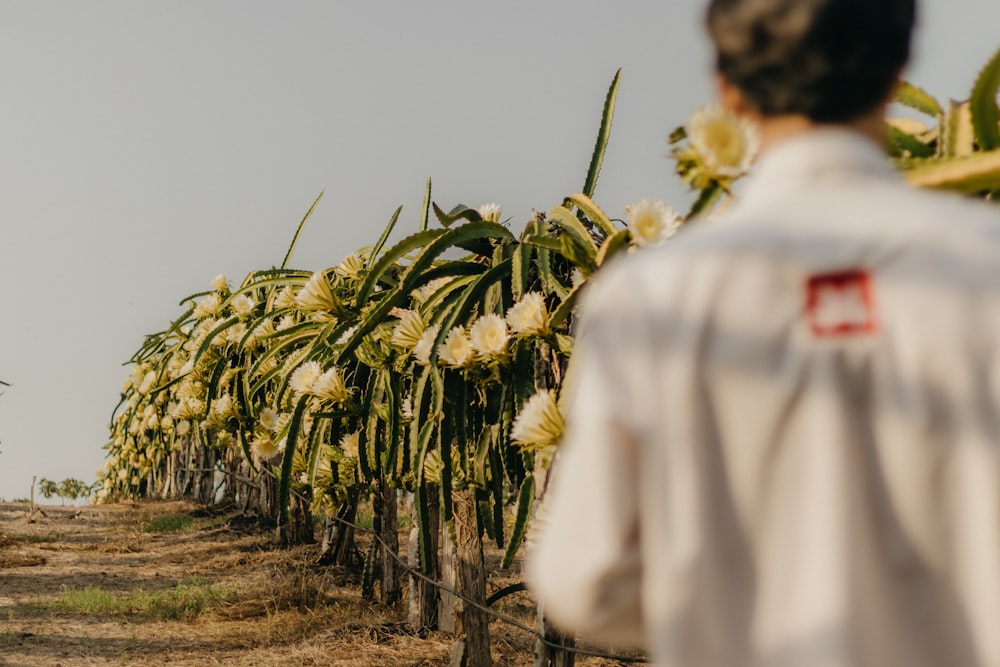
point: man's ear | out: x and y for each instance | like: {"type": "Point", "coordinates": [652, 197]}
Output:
{"type": "Point", "coordinates": [733, 99]}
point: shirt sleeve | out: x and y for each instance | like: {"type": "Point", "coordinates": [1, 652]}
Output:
{"type": "Point", "coordinates": [584, 566]}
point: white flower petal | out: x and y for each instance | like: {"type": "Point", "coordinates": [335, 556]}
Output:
{"type": "Point", "coordinates": [489, 335]}
{"type": "Point", "coordinates": [727, 145]}
{"type": "Point", "coordinates": [349, 444]}
{"type": "Point", "coordinates": [305, 377]}
{"type": "Point", "coordinates": [350, 266]}
{"type": "Point", "coordinates": [242, 305]}
{"type": "Point", "coordinates": [208, 306]}
{"type": "Point", "coordinates": [421, 294]}
{"type": "Point", "coordinates": [317, 294]}
{"type": "Point", "coordinates": [539, 423]}
{"type": "Point", "coordinates": [285, 299]}
{"type": "Point", "coordinates": [409, 330]}
{"type": "Point", "coordinates": [330, 386]}
{"type": "Point", "coordinates": [422, 350]}
{"type": "Point", "coordinates": [456, 350]}
{"type": "Point", "coordinates": [651, 222]}
{"type": "Point", "coordinates": [528, 316]}
{"type": "Point", "coordinates": [264, 448]}
{"type": "Point", "coordinates": [489, 212]}
{"type": "Point", "coordinates": [268, 419]}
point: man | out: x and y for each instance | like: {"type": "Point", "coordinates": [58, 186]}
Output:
{"type": "Point", "coordinates": [783, 437]}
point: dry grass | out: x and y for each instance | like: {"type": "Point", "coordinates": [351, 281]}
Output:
{"type": "Point", "coordinates": [21, 560]}
{"type": "Point", "coordinates": [103, 587]}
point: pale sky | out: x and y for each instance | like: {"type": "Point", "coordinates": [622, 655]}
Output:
{"type": "Point", "coordinates": [147, 146]}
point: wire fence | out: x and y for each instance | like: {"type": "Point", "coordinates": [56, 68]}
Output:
{"type": "Point", "coordinates": [405, 567]}
{"type": "Point", "coordinates": [486, 610]}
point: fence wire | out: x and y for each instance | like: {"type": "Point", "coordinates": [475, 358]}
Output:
{"type": "Point", "coordinates": [447, 589]}
{"type": "Point", "coordinates": [500, 617]}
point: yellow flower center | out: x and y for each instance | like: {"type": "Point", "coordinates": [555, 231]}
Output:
{"type": "Point", "coordinates": [648, 225]}
{"type": "Point", "coordinates": [725, 141]}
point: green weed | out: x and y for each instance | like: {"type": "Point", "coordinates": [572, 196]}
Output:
{"type": "Point", "coordinates": [185, 601]}
{"type": "Point", "coordinates": [168, 523]}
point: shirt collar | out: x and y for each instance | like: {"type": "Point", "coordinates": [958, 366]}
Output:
{"type": "Point", "coordinates": [818, 156]}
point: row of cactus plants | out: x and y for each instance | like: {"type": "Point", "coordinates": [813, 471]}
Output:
{"type": "Point", "coordinates": [960, 148]}
{"type": "Point", "coordinates": [432, 366]}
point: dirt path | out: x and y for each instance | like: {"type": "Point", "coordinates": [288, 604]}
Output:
{"type": "Point", "coordinates": [171, 584]}
{"type": "Point", "coordinates": [93, 586]}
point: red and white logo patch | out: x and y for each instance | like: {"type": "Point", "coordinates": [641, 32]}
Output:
{"type": "Point", "coordinates": [840, 304]}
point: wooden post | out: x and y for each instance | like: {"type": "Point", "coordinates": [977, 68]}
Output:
{"type": "Point", "coordinates": [184, 475]}
{"type": "Point", "coordinates": [389, 532]}
{"type": "Point", "coordinates": [545, 655]}
{"type": "Point", "coordinates": [170, 465]}
{"type": "Point", "coordinates": [267, 499]}
{"type": "Point", "coordinates": [232, 463]}
{"type": "Point", "coordinates": [338, 537]}
{"type": "Point", "coordinates": [424, 598]}
{"type": "Point", "coordinates": [206, 477]}
{"type": "Point", "coordinates": [449, 566]}
{"type": "Point", "coordinates": [299, 529]}
{"type": "Point", "coordinates": [472, 645]}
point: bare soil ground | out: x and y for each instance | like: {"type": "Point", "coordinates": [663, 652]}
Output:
{"type": "Point", "coordinates": [93, 586]}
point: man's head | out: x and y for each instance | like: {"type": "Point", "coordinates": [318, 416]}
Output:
{"type": "Point", "coordinates": [831, 61]}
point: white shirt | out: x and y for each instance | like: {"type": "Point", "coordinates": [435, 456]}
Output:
{"type": "Point", "coordinates": [783, 433]}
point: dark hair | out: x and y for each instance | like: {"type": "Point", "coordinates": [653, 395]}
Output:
{"type": "Point", "coordinates": [829, 60]}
